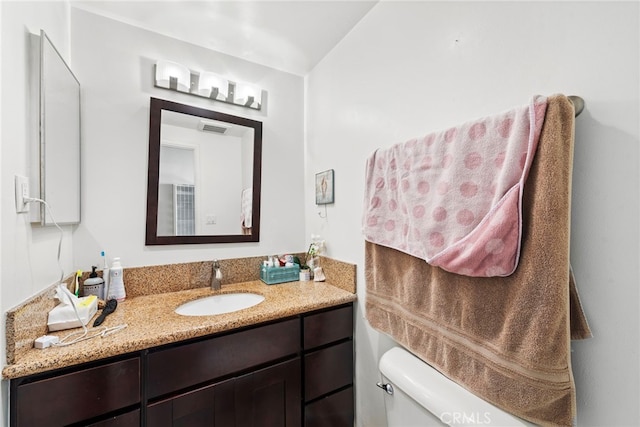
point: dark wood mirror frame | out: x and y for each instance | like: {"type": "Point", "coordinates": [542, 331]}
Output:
{"type": "Point", "coordinates": [155, 116]}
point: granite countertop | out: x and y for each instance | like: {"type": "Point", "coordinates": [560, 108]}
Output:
{"type": "Point", "coordinates": [151, 321]}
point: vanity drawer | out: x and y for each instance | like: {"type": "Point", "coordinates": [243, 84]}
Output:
{"type": "Point", "coordinates": [183, 366]}
{"type": "Point", "coordinates": [328, 326]}
{"type": "Point", "coordinates": [328, 369]}
{"type": "Point", "coordinates": [78, 396]}
{"type": "Point", "coordinates": [335, 410]}
{"type": "Point", "coordinates": [130, 419]}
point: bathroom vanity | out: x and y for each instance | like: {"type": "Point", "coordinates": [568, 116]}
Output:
{"type": "Point", "coordinates": [291, 370]}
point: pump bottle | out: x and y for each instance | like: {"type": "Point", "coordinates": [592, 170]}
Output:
{"type": "Point", "coordinates": [116, 282]}
{"type": "Point", "coordinates": [94, 285]}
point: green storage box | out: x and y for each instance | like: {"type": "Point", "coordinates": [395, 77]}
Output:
{"type": "Point", "coordinates": [275, 275]}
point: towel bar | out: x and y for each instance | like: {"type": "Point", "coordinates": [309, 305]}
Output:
{"type": "Point", "coordinates": [578, 103]}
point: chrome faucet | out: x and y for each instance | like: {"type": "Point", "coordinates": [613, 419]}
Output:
{"type": "Point", "coordinates": [216, 276]}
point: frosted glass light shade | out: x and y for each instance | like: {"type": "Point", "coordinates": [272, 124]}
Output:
{"type": "Point", "coordinates": [248, 95]}
{"type": "Point", "coordinates": [209, 82]}
{"type": "Point", "coordinates": [206, 84]}
{"type": "Point", "coordinates": [166, 70]}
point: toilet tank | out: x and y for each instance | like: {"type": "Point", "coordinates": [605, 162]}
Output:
{"type": "Point", "coordinates": [422, 397]}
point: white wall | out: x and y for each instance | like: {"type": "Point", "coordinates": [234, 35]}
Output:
{"type": "Point", "coordinates": [22, 276]}
{"type": "Point", "coordinates": [409, 68]}
{"type": "Point", "coordinates": [27, 253]}
{"type": "Point", "coordinates": [114, 63]}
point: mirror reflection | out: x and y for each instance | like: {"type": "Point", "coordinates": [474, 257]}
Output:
{"type": "Point", "coordinates": [204, 176]}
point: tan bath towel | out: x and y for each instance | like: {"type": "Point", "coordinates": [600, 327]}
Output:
{"type": "Point", "coordinates": [505, 339]}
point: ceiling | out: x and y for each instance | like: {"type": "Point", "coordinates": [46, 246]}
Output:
{"type": "Point", "coordinates": [291, 36]}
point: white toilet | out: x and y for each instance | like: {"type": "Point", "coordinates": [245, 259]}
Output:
{"type": "Point", "coordinates": [417, 395]}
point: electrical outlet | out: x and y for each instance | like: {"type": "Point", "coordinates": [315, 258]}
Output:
{"type": "Point", "coordinates": [22, 192]}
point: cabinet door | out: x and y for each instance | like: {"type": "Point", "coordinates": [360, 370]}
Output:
{"type": "Point", "coordinates": [270, 397]}
{"type": "Point", "coordinates": [211, 406]}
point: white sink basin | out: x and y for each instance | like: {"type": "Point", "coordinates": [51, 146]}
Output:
{"type": "Point", "coordinates": [219, 304]}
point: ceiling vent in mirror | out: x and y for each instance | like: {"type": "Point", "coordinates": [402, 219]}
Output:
{"type": "Point", "coordinates": [208, 126]}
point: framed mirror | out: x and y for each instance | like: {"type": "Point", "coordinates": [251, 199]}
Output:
{"type": "Point", "coordinates": [204, 176]}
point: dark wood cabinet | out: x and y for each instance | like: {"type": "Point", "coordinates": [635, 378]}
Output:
{"type": "Point", "coordinates": [208, 406]}
{"type": "Point", "coordinates": [269, 397]}
{"type": "Point", "coordinates": [281, 374]}
{"type": "Point", "coordinates": [129, 419]}
{"type": "Point", "coordinates": [185, 365]}
{"type": "Point", "coordinates": [333, 410]}
{"type": "Point", "coordinates": [327, 326]}
{"type": "Point", "coordinates": [328, 368]}
{"type": "Point", "coordinates": [72, 396]}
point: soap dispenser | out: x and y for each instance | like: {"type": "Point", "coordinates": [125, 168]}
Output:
{"type": "Point", "coordinates": [94, 285]}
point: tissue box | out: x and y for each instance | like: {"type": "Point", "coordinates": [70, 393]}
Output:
{"type": "Point", "coordinates": [274, 275]}
{"type": "Point", "coordinates": [63, 316]}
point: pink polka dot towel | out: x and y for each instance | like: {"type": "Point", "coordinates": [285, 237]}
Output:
{"type": "Point", "coordinates": [454, 198]}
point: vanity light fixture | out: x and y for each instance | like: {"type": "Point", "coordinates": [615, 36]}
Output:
{"type": "Point", "coordinates": [248, 95]}
{"type": "Point", "coordinates": [171, 75]}
{"type": "Point", "coordinates": [206, 84]}
{"type": "Point", "coordinates": [213, 86]}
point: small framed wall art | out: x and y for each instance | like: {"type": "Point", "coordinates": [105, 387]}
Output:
{"type": "Point", "coordinates": [324, 187]}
